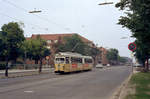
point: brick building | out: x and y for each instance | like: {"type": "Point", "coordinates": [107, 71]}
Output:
{"type": "Point", "coordinates": [103, 59]}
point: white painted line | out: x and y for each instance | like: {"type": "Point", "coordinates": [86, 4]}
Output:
{"type": "Point", "coordinates": [28, 91]}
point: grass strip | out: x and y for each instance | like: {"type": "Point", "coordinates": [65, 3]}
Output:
{"type": "Point", "coordinates": [141, 81]}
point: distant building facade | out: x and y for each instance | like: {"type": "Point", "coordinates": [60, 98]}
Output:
{"type": "Point", "coordinates": [102, 59]}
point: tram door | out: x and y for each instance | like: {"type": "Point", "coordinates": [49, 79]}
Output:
{"type": "Point", "coordinates": [67, 64]}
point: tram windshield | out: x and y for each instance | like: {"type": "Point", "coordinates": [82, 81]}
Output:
{"type": "Point", "coordinates": [59, 60]}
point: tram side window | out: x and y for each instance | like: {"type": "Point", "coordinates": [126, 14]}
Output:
{"type": "Point", "coordinates": [59, 60]}
{"type": "Point", "coordinates": [88, 60]}
{"type": "Point", "coordinates": [73, 60]}
{"type": "Point", "coordinates": [79, 60]}
{"type": "Point", "coordinates": [76, 60]}
{"type": "Point", "coordinates": [67, 60]}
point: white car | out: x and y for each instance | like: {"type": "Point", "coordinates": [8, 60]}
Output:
{"type": "Point", "coordinates": [108, 65]}
{"type": "Point", "coordinates": [99, 66]}
{"type": "Point", "coordinates": [137, 65]}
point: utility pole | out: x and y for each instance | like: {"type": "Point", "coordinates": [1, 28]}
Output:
{"type": "Point", "coordinates": [132, 56]}
{"type": "Point", "coordinates": [75, 46]}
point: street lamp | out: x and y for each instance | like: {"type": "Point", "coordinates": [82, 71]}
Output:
{"type": "Point", "coordinates": [105, 3]}
{"type": "Point", "coordinates": [35, 11]}
{"type": "Point", "coordinates": [123, 37]}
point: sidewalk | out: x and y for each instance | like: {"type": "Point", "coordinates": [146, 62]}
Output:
{"type": "Point", "coordinates": [19, 73]}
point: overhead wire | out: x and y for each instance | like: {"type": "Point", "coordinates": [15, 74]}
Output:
{"type": "Point", "coordinates": [21, 21]}
{"type": "Point", "coordinates": [42, 18]}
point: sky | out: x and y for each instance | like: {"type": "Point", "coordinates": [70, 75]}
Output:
{"type": "Point", "coordinates": [85, 17]}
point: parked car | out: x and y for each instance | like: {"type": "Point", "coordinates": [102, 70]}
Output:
{"type": "Point", "coordinates": [108, 65]}
{"type": "Point", "coordinates": [99, 66]}
{"type": "Point", "coordinates": [137, 65]}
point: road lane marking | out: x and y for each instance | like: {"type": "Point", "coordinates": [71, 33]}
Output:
{"type": "Point", "coordinates": [29, 91]}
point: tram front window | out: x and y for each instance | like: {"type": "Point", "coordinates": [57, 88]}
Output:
{"type": "Point", "coordinates": [60, 60]}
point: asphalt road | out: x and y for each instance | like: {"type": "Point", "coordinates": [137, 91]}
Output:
{"type": "Point", "coordinates": [96, 84]}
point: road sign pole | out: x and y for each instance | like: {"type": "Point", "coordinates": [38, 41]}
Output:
{"type": "Point", "coordinates": [132, 62]}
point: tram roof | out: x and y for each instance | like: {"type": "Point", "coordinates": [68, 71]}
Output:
{"type": "Point", "coordinates": [72, 54]}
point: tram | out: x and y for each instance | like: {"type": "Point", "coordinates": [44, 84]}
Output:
{"type": "Point", "coordinates": [66, 62]}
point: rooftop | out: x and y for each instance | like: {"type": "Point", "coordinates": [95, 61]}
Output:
{"type": "Point", "coordinates": [56, 36]}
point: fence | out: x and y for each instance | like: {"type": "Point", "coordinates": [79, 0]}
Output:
{"type": "Point", "coordinates": [23, 66]}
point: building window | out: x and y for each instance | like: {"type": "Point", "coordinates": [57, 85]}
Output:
{"type": "Point", "coordinates": [48, 47]}
{"type": "Point", "coordinates": [48, 41]}
{"type": "Point", "coordinates": [90, 44]}
{"type": "Point", "coordinates": [56, 41]}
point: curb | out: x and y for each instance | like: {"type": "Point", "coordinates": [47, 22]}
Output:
{"type": "Point", "coordinates": [120, 90]}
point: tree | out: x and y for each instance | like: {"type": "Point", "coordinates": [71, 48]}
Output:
{"type": "Point", "coordinates": [11, 37]}
{"type": "Point", "coordinates": [36, 49]}
{"type": "Point", "coordinates": [138, 22]}
{"type": "Point", "coordinates": [141, 53]}
{"type": "Point", "coordinates": [25, 49]}
{"type": "Point", "coordinates": [112, 55]}
{"type": "Point", "coordinates": [72, 44]}
{"type": "Point", "coordinates": [2, 46]}
{"type": "Point", "coordinates": [94, 52]}
{"type": "Point", "coordinates": [122, 59]}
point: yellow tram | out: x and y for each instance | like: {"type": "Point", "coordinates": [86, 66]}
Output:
{"type": "Point", "coordinates": [66, 62]}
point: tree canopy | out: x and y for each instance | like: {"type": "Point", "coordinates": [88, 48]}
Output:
{"type": "Point", "coordinates": [112, 55]}
{"type": "Point", "coordinates": [122, 59]}
{"type": "Point", "coordinates": [36, 49]}
{"type": "Point", "coordinates": [72, 44]}
{"type": "Point", "coordinates": [11, 38]}
{"type": "Point", "coordinates": [75, 44]}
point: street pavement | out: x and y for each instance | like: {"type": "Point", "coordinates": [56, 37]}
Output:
{"type": "Point", "coordinates": [95, 84]}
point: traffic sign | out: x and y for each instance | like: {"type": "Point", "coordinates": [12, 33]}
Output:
{"type": "Point", "coordinates": [132, 46]}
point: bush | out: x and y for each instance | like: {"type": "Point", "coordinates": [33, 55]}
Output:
{"type": "Point", "coordinates": [2, 65]}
